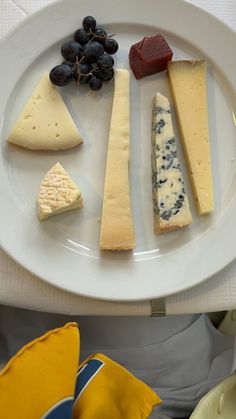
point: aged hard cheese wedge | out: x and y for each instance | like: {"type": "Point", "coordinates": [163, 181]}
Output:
{"type": "Point", "coordinates": [117, 229]}
{"type": "Point", "coordinates": [45, 122]}
{"type": "Point", "coordinates": [58, 193]}
{"type": "Point", "coordinates": [170, 201]}
{"type": "Point", "coordinates": [189, 89]}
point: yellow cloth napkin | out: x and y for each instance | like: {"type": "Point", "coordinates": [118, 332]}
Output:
{"type": "Point", "coordinates": [42, 381]}
{"type": "Point", "coordinates": [105, 390]}
{"type": "Point", "coordinates": [39, 381]}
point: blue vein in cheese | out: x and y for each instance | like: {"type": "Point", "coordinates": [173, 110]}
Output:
{"type": "Point", "coordinates": [170, 201]}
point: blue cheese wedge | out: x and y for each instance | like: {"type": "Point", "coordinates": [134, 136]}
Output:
{"type": "Point", "coordinates": [170, 202]}
{"type": "Point", "coordinates": [58, 193]}
{"type": "Point", "coordinates": [45, 122]}
{"type": "Point", "coordinates": [117, 228]}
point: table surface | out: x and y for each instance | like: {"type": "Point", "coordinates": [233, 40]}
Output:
{"type": "Point", "coordinates": [19, 288]}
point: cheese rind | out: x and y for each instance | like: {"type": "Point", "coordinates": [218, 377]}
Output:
{"type": "Point", "coordinates": [58, 193]}
{"type": "Point", "coordinates": [189, 90]}
{"type": "Point", "coordinates": [170, 201]}
{"type": "Point", "coordinates": [45, 122]}
{"type": "Point", "coordinates": [117, 229]}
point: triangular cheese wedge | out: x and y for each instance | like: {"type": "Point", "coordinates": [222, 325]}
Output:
{"type": "Point", "coordinates": [188, 83]}
{"type": "Point", "coordinates": [170, 201]}
{"type": "Point", "coordinates": [58, 193]}
{"type": "Point", "coordinates": [117, 227]}
{"type": "Point", "coordinates": [45, 122]}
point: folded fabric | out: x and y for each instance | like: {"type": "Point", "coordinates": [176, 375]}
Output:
{"type": "Point", "coordinates": [180, 357]}
{"type": "Point", "coordinates": [42, 381]}
{"type": "Point", "coordinates": [220, 402]}
{"type": "Point", "coordinates": [105, 390]}
{"type": "Point", "coordinates": [39, 381]}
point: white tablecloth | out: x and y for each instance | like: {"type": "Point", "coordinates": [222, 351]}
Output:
{"type": "Point", "coordinates": [19, 288]}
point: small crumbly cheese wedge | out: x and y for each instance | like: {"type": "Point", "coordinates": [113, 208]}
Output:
{"type": "Point", "coordinates": [189, 89]}
{"type": "Point", "coordinates": [45, 122]}
{"type": "Point", "coordinates": [170, 201]}
{"type": "Point", "coordinates": [58, 193]}
{"type": "Point", "coordinates": [117, 229]}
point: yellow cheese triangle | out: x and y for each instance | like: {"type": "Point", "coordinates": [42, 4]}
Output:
{"type": "Point", "coordinates": [117, 229]}
{"type": "Point", "coordinates": [58, 193]}
{"type": "Point", "coordinates": [45, 122]}
{"type": "Point", "coordinates": [189, 89]}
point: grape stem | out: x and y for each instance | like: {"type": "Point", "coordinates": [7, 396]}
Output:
{"type": "Point", "coordinates": [76, 65]}
{"type": "Point", "coordinates": [100, 36]}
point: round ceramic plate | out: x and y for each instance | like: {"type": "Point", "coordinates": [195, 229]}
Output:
{"type": "Point", "coordinates": [64, 250]}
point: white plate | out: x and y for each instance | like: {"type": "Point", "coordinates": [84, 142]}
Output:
{"type": "Point", "coordinates": [64, 250]}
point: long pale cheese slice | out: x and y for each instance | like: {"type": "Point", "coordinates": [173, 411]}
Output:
{"type": "Point", "coordinates": [189, 89]}
{"type": "Point", "coordinates": [117, 229]}
{"type": "Point", "coordinates": [45, 122]}
{"type": "Point", "coordinates": [170, 201]}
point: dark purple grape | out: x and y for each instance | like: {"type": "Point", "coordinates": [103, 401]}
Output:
{"type": "Point", "coordinates": [100, 35]}
{"type": "Point", "coordinates": [81, 36]}
{"type": "Point", "coordinates": [85, 68]}
{"type": "Point", "coordinates": [93, 51]}
{"type": "Point", "coordinates": [100, 32]}
{"type": "Point", "coordinates": [89, 23]}
{"type": "Point", "coordinates": [61, 75]}
{"type": "Point", "coordinates": [111, 46]}
{"type": "Point", "coordinates": [106, 62]}
{"type": "Point", "coordinates": [108, 75]}
{"type": "Point", "coordinates": [97, 72]}
{"type": "Point", "coordinates": [104, 75]}
{"type": "Point", "coordinates": [95, 83]}
{"type": "Point", "coordinates": [69, 63]}
{"type": "Point", "coordinates": [71, 50]}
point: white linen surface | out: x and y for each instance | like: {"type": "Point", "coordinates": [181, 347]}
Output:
{"type": "Point", "coordinates": [19, 288]}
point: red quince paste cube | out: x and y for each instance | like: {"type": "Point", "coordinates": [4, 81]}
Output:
{"type": "Point", "coordinates": [149, 56]}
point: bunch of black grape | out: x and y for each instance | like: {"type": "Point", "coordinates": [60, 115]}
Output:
{"type": "Point", "coordinates": [87, 58]}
